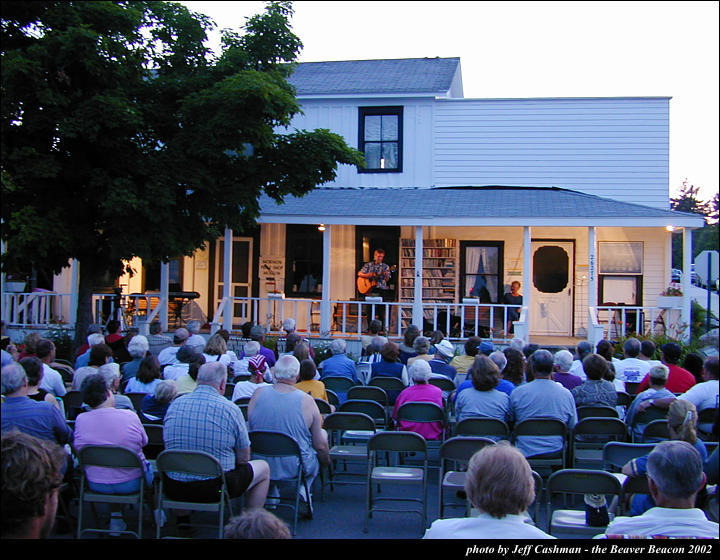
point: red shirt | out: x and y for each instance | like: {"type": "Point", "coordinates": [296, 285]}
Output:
{"type": "Point", "coordinates": [679, 380]}
{"type": "Point", "coordinates": [110, 338]}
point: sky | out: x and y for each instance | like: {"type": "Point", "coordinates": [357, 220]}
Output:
{"type": "Point", "coordinates": [538, 49]}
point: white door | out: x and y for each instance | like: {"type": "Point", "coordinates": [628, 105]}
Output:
{"type": "Point", "coordinates": [551, 296]}
{"type": "Point", "coordinates": [241, 277]}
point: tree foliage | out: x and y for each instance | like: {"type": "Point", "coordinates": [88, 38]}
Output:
{"type": "Point", "coordinates": [705, 238]}
{"type": "Point", "coordinates": [123, 135]}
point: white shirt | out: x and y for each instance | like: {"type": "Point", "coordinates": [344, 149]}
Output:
{"type": "Point", "coordinates": [485, 526]}
{"type": "Point", "coordinates": [703, 395]}
{"type": "Point", "coordinates": [246, 389]}
{"type": "Point", "coordinates": [175, 371]}
{"type": "Point", "coordinates": [668, 522]}
{"type": "Point", "coordinates": [52, 381]}
{"type": "Point", "coordinates": [577, 369]}
{"type": "Point", "coordinates": [631, 369]}
{"type": "Point", "coordinates": [168, 355]}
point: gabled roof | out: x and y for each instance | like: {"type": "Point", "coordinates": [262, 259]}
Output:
{"type": "Point", "coordinates": [432, 76]}
{"type": "Point", "coordinates": [467, 206]}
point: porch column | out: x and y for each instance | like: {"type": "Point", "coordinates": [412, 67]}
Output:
{"type": "Point", "coordinates": [227, 279]}
{"type": "Point", "coordinates": [592, 267]}
{"type": "Point", "coordinates": [527, 275]}
{"type": "Point", "coordinates": [686, 283]}
{"type": "Point", "coordinates": [164, 290]}
{"type": "Point", "coordinates": [325, 306]}
{"type": "Point", "coordinates": [74, 289]}
{"type": "Point", "coordinates": [417, 313]}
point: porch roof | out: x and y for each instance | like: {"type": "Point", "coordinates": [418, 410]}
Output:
{"type": "Point", "coordinates": [467, 206]}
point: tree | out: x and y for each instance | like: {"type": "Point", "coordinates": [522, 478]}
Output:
{"type": "Point", "coordinates": [688, 201]}
{"type": "Point", "coordinates": [122, 135]}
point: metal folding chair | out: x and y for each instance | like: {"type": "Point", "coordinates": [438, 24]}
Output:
{"type": "Point", "coordinates": [338, 423]}
{"type": "Point", "coordinates": [590, 435]}
{"type": "Point", "coordinates": [484, 427]}
{"type": "Point", "coordinates": [596, 411]}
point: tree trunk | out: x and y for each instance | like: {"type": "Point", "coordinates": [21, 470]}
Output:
{"type": "Point", "coordinates": [84, 318]}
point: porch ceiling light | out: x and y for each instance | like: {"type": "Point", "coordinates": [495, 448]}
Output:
{"type": "Point", "coordinates": [670, 228]}
{"type": "Point", "coordinates": [321, 227]}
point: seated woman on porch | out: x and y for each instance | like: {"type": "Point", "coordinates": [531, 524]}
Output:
{"type": "Point", "coordinates": [390, 366]}
{"type": "Point", "coordinates": [420, 391]}
{"type": "Point", "coordinates": [407, 350]}
{"type": "Point", "coordinates": [483, 398]}
{"type": "Point", "coordinates": [512, 298]}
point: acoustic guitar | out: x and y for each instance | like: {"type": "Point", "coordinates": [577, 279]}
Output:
{"type": "Point", "coordinates": [364, 285]}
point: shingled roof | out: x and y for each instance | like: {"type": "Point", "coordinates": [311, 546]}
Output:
{"type": "Point", "coordinates": [470, 206]}
{"type": "Point", "coordinates": [432, 76]}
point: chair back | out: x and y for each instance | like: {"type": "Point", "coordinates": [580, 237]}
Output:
{"type": "Point", "coordinates": [136, 399]}
{"type": "Point", "coordinates": [631, 388]}
{"type": "Point", "coordinates": [540, 427]}
{"type": "Point", "coordinates": [156, 443]}
{"type": "Point", "coordinates": [375, 410]}
{"type": "Point", "coordinates": [363, 370]}
{"type": "Point", "coordinates": [656, 430]}
{"type": "Point", "coordinates": [323, 406]}
{"type": "Point", "coordinates": [649, 414]}
{"type": "Point", "coordinates": [608, 427]}
{"type": "Point", "coordinates": [109, 456]}
{"type": "Point", "coordinates": [421, 412]}
{"type": "Point", "coordinates": [707, 415]}
{"type": "Point", "coordinates": [461, 448]}
{"type": "Point", "coordinates": [187, 461]}
{"type": "Point", "coordinates": [229, 389]}
{"type": "Point", "coordinates": [273, 444]}
{"type": "Point", "coordinates": [332, 396]}
{"type": "Point", "coordinates": [341, 421]}
{"type": "Point", "coordinates": [596, 411]}
{"type": "Point", "coordinates": [387, 383]}
{"type": "Point", "coordinates": [368, 393]}
{"type": "Point", "coordinates": [73, 402]}
{"type": "Point", "coordinates": [242, 401]}
{"type": "Point", "coordinates": [397, 441]}
{"type": "Point", "coordinates": [485, 427]}
{"type": "Point", "coordinates": [337, 383]}
{"type": "Point", "coordinates": [623, 399]}
{"type": "Point", "coordinates": [583, 481]}
{"type": "Point", "coordinates": [241, 377]}
{"type": "Point", "coordinates": [444, 383]}
{"type": "Point", "coordinates": [616, 454]}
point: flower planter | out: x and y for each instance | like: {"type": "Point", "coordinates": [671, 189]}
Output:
{"type": "Point", "coordinates": [669, 302]}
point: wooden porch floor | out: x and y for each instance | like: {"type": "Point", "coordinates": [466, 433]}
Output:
{"type": "Point", "coordinates": [555, 342]}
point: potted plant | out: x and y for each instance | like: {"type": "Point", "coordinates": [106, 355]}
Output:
{"type": "Point", "coordinates": [670, 298]}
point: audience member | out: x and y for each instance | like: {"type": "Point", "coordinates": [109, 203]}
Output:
{"type": "Point", "coordinates": [675, 476]}
{"type": "Point", "coordinates": [138, 347]}
{"type": "Point", "coordinates": [113, 332]}
{"type": "Point", "coordinates": [111, 374]}
{"type": "Point", "coordinates": [157, 341]}
{"type": "Point", "coordinates": [147, 378]}
{"type": "Point", "coordinates": [582, 351]}
{"type": "Point", "coordinates": [631, 368]}
{"type": "Point", "coordinates": [168, 355]}
{"type": "Point", "coordinates": [606, 349]}
{"type": "Point", "coordinates": [195, 340]}
{"type": "Point", "coordinates": [462, 363]}
{"type": "Point", "coordinates": [257, 333]}
{"type": "Point", "coordinates": [93, 339]}
{"type": "Point", "coordinates": [373, 351]}
{"type": "Point", "coordinates": [250, 351]}
{"type": "Point", "coordinates": [29, 345]}
{"type": "Point", "coordinates": [187, 383]}
{"type": "Point", "coordinates": [31, 478]}
{"type": "Point", "coordinates": [120, 348]}
{"type": "Point", "coordinates": [421, 345]}
{"type": "Point", "coordinates": [205, 420]}
{"type": "Point", "coordinates": [390, 366]}
{"type": "Point", "coordinates": [528, 350]}
{"type": "Point", "coordinates": [307, 382]}
{"type": "Point", "coordinates": [92, 329]}
{"type": "Point", "coordinates": [338, 365]}
{"type": "Point", "coordinates": [483, 398]}
{"type": "Point", "coordinates": [693, 363]}
{"type": "Point", "coordinates": [705, 394]}
{"type": "Point", "coordinates": [256, 524]}
{"type": "Point", "coordinates": [283, 408]}
{"type": "Point", "coordinates": [406, 347]}
{"type": "Point", "coordinates": [154, 406]}
{"type": "Point", "coordinates": [500, 360]}
{"type": "Point", "coordinates": [100, 354]}
{"type": "Point", "coordinates": [216, 351]}
{"type": "Point", "coordinates": [658, 379]}
{"type": "Point", "coordinates": [256, 369]}
{"type": "Point", "coordinates": [52, 381]}
{"type": "Point", "coordinates": [374, 330]}
{"type": "Point", "coordinates": [420, 391]}
{"type": "Point", "coordinates": [34, 370]}
{"type": "Point", "coordinates": [596, 390]}
{"type": "Point", "coordinates": [514, 371]}
{"type": "Point", "coordinates": [500, 485]}
{"type": "Point", "coordinates": [181, 363]}
{"type": "Point", "coordinates": [679, 379]}
{"type": "Point", "coordinates": [440, 364]}
{"type": "Point", "coordinates": [647, 353]}
{"type": "Point", "coordinates": [542, 398]}
{"type": "Point", "coordinates": [563, 361]}
{"type": "Point", "coordinates": [289, 326]}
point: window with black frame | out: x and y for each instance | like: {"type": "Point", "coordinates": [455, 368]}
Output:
{"type": "Point", "coordinates": [380, 139]}
{"type": "Point", "coordinates": [481, 271]}
{"type": "Point", "coordinates": [304, 264]}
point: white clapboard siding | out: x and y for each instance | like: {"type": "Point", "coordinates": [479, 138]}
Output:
{"type": "Point", "coordinates": [610, 147]}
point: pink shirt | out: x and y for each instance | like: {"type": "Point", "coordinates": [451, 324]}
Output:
{"type": "Point", "coordinates": [111, 426]}
{"type": "Point", "coordinates": [420, 393]}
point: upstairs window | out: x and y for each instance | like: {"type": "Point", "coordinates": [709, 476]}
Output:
{"type": "Point", "coordinates": [380, 139]}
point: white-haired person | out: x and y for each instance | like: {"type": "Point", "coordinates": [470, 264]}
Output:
{"type": "Point", "coordinates": [196, 340]}
{"type": "Point", "coordinates": [138, 348]}
{"type": "Point", "coordinates": [422, 346]}
{"type": "Point", "coordinates": [562, 362]}
{"type": "Point", "coordinates": [483, 399]}
{"type": "Point", "coordinates": [105, 424]}
{"type": "Point", "coordinates": [420, 391]}
{"type": "Point", "coordinates": [290, 326]}
{"type": "Point", "coordinates": [500, 485]}
{"type": "Point", "coordinates": [338, 364]}
{"type": "Point", "coordinates": [658, 378]}
{"type": "Point", "coordinates": [83, 359]}
{"type": "Point", "coordinates": [675, 476]}
{"type": "Point", "coordinates": [284, 408]}
{"type": "Point", "coordinates": [111, 374]}
{"type": "Point", "coordinates": [154, 406]}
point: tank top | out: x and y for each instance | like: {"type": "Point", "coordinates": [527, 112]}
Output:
{"type": "Point", "coordinates": [282, 412]}
{"type": "Point", "coordinates": [39, 396]}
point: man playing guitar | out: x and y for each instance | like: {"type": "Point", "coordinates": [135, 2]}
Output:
{"type": "Point", "coordinates": [374, 275]}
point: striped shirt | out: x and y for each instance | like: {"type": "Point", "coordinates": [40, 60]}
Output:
{"type": "Point", "coordinates": [205, 421]}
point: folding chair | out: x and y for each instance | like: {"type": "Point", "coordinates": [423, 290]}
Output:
{"type": "Point", "coordinates": [444, 383]}
{"type": "Point", "coordinates": [276, 444]}
{"type": "Point", "coordinates": [456, 452]}
{"type": "Point", "coordinates": [616, 455]}
{"type": "Point", "coordinates": [481, 426]}
{"type": "Point", "coordinates": [424, 412]}
{"type": "Point", "coordinates": [337, 383]}
{"type": "Point", "coordinates": [73, 402]}
{"type": "Point", "coordinates": [631, 388]}
{"type": "Point", "coordinates": [706, 416]}
{"type": "Point", "coordinates": [229, 390]}
{"type": "Point", "coordinates": [363, 370]}
{"type": "Point", "coordinates": [332, 397]}
{"type": "Point", "coordinates": [323, 406]}
{"type": "Point", "coordinates": [373, 409]}
{"type": "Point", "coordinates": [596, 411]}
{"type": "Point", "coordinates": [242, 401]}
{"type": "Point", "coordinates": [656, 431]}
{"type": "Point", "coordinates": [400, 442]}
{"type": "Point", "coordinates": [589, 437]}
{"type": "Point", "coordinates": [644, 418]}
{"type": "Point", "coordinates": [155, 444]}
{"type": "Point", "coordinates": [368, 393]}
{"type": "Point", "coordinates": [624, 399]}
{"type": "Point", "coordinates": [543, 427]}
{"type": "Point", "coordinates": [136, 399]}
{"type": "Point", "coordinates": [196, 463]}
{"type": "Point", "coordinates": [336, 424]}
{"type": "Point", "coordinates": [578, 482]}
{"type": "Point", "coordinates": [114, 457]}
{"type": "Point", "coordinates": [392, 386]}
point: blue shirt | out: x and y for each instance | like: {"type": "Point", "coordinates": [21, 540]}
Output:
{"type": "Point", "coordinates": [504, 386]}
{"type": "Point", "coordinates": [39, 419]}
{"type": "Point", "coordinates": [206, 421]}
{"type": "Point", "coordinates": [338, 365]}
{"type": "Point", "coordinates": [443, 368]}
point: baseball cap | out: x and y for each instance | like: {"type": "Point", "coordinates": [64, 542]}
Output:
{"type": "Point", "coordinates": [486, 347]}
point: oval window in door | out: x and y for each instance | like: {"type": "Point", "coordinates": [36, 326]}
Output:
{"type": "Point", "coordinates": [550, 269]}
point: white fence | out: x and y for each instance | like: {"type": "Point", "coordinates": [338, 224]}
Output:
{"type": "Point", "coordinates": [614, 322]}
{"type": "Point", "coordinates": [35, 309]}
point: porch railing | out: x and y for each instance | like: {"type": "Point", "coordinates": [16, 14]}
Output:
{"type": "Point", "coordinates": [614, 322]}
{"type": "Point", "coordinates": [35, 309]}
{"type": "Point", "coordinates": [132, 310]}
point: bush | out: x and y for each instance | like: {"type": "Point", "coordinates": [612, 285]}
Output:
{"type": "Point", "coordinates": [63, 343]}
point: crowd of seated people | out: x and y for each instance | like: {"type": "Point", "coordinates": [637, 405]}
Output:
{"type": "Point", "coordinates": [513, 384]}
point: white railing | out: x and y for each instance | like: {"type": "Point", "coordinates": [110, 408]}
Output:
{"type": "Point", "coordinates": [132, 310]}
{"type": "Point", "coordinates": [269, 312]}
{"type": "Point", "coordinates": [462, 320]}
{"type": "Point", "coordinates": [35, 309]}
{"type": "Point", "coordinates": [614, 322]}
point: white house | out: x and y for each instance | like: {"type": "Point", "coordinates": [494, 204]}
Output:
{"type": "Point", "coordinates": [568, 196]}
